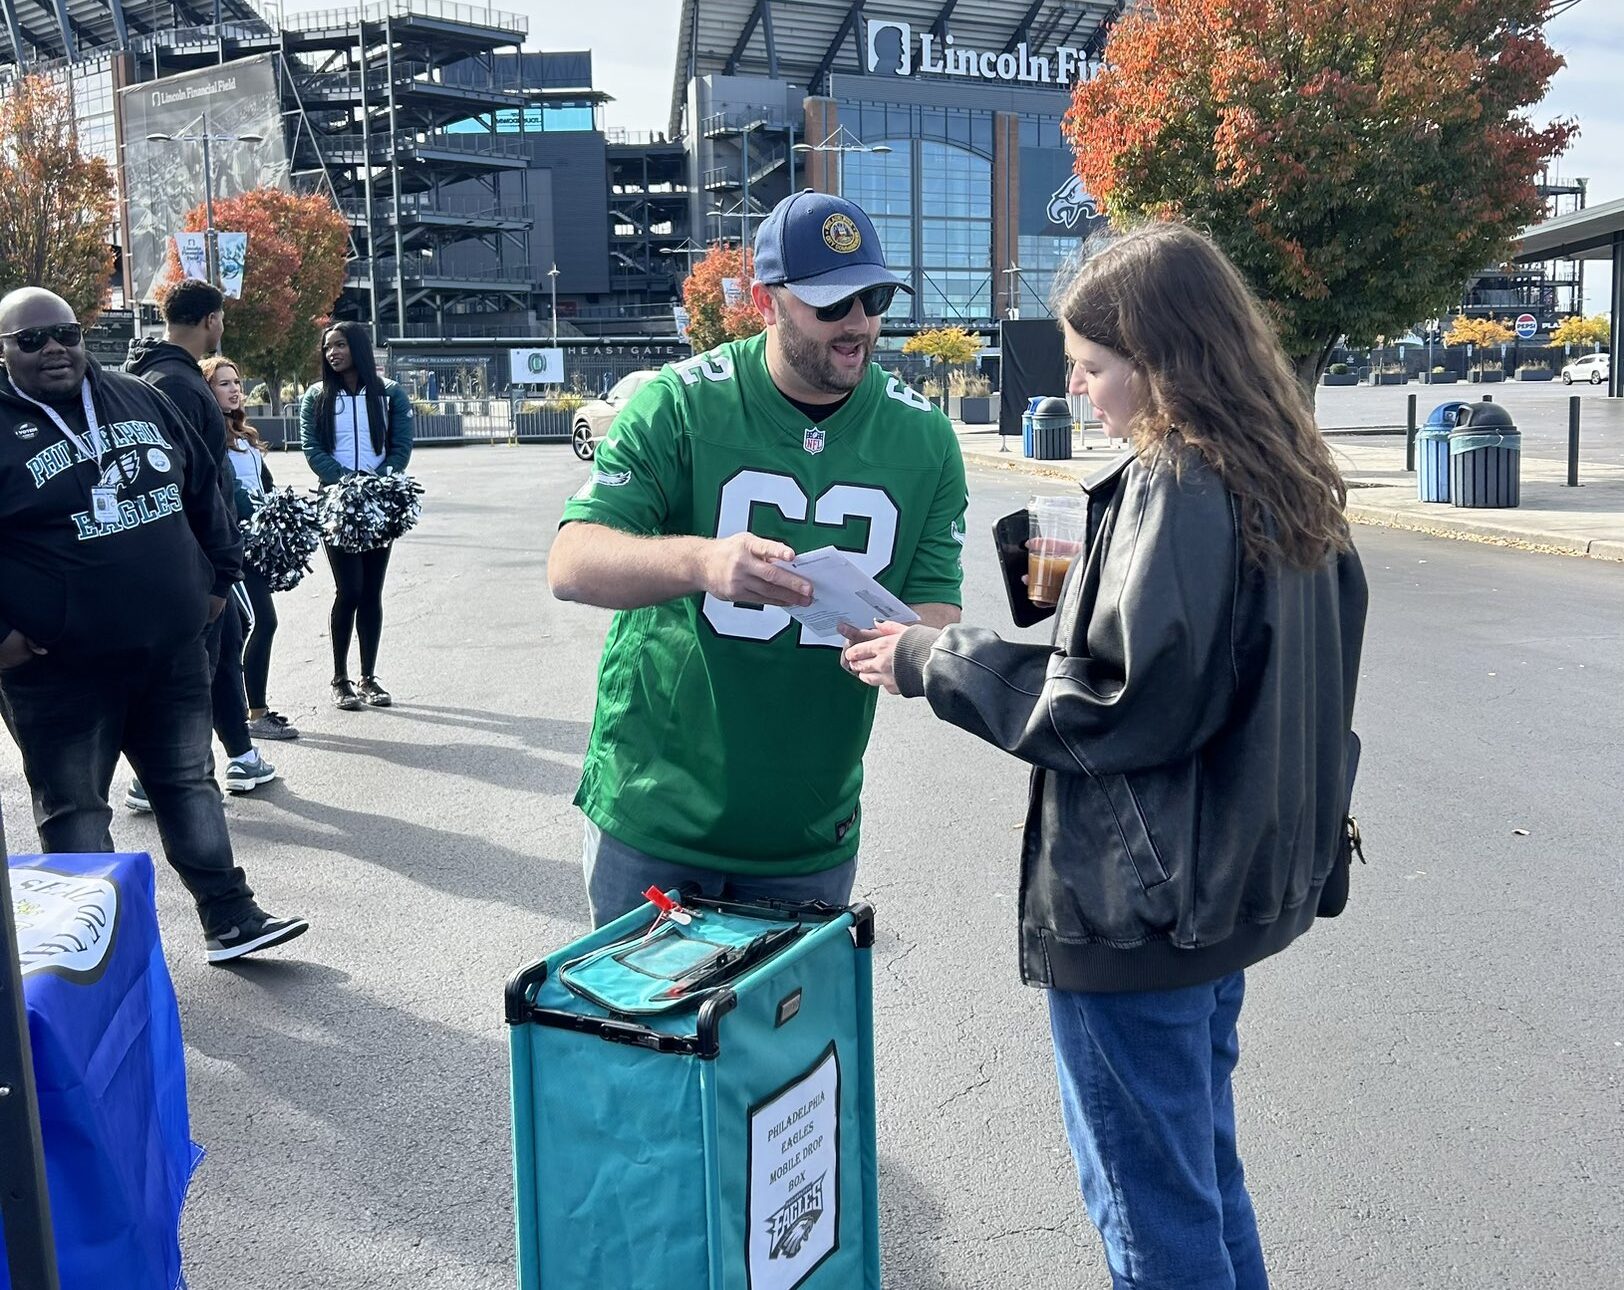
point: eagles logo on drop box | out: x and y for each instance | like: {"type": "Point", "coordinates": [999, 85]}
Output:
{"type": "Point", "coordinates": [791, 1225]}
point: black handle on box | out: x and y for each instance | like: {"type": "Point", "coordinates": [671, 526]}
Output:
{"type": "Point", "coordinates": [516, 994]}
{"type": "Point", "coordinates": [705, 1043]}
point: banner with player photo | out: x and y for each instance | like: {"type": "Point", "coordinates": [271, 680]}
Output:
{"type": "Point", "coordinates": [238, 106]}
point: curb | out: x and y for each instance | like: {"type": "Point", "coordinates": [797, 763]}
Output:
{"type": "Point", "coordinates": [1455, 526]}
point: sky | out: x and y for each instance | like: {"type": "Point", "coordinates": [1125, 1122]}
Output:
{"type": "Point", "coordinates": [633, 59]}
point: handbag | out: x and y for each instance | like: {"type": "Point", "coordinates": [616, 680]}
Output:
{"type": "Point", "coordinates": [1333, 898]}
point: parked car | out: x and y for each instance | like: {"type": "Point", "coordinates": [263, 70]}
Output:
{"type": "Point", "coordinates": [593, 418]}
{"type": "Point", "coordinates": [1594, 368]}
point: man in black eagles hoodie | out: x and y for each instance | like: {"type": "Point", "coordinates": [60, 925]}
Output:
{"type": "Point", "coordinates": [116, 552]}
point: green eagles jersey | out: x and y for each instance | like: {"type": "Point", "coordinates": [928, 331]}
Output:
{"type": "Point", "coordinates": [727, 735]}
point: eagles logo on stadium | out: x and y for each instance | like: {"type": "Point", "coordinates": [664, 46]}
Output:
{"type": "Point", "coordinates": [122, 470]}
{"type": "Point", "coordinates": [841, 234]}
{"type": "Point", "coordinates": [812, 440]}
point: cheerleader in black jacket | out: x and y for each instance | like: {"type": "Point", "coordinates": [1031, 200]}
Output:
{"type": "Point", "coordinates": [355, 421]}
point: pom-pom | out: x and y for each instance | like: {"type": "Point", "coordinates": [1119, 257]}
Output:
{"type": "Point", "coordinates": [398, 496]}
{"type": "Point", "coordinates": [280, 537]}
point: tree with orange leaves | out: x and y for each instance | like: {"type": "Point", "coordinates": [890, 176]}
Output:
{"type": "Point", "coordinates": [56, 203]}
{"type": "Point", "coordinates": [711, 320]}
{"type": "Point", "coordinates": [297, 246]}
{"type": "Point", "coordinates": [1357, 162]}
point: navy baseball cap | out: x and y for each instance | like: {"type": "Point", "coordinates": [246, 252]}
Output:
{"type": "Point", "coordinates": [823, 248]}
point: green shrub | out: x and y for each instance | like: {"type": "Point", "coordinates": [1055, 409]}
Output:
{"type": "Point", "coordinates": [1338, 369]}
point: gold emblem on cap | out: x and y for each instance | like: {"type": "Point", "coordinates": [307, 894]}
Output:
{"type": "Point", "coordinates": [841, 234]}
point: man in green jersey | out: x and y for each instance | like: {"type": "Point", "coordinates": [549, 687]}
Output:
{"type": "Point", "coordinates": [728, 745]}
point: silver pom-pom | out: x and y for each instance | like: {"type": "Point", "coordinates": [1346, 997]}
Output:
{"type": "Point", "coordinates": [280, 537]}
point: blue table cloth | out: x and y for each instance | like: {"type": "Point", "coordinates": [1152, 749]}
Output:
{"type": "Point", "coordinates": [110, 1068]}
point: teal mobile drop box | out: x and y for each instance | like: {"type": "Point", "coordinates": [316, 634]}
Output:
{"type": "Point", "coordinates": [693, 1104]}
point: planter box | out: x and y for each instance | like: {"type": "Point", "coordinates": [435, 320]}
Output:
{"type": "Point", "coordinates": [977, 409]}
{"type": "Point", "coordinates": [1389, 378]}
{"type": "Point", "coordinates": [1439, 378]}
{"type": "Point", "coordinates": [1485, 378]}
{"type": "Point", "coordinates": [1342, 378]}
{"type": "Point", "coordinates": [432, 428]}
{"type": "Point", "coordinates": [1544, 374]}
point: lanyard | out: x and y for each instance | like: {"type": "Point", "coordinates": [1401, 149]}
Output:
{"type": "Point", "coordinates": [96, 447]}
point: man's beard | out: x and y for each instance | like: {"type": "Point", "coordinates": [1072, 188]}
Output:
{"type": "Point", "coordinates": [810, 357]}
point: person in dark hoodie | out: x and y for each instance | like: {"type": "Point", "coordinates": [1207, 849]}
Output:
{"type": "Point", "coordinates": [194, 323]}
{"type": "Point", "coordinates": [116, 552]}
{"type": "Point", "coordinates": [1190, 732]}
{"type": "Point", "coordinates": [355, 421]}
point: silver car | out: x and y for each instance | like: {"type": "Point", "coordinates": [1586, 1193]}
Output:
{"type": "Point", "coordinates": [592, 419]}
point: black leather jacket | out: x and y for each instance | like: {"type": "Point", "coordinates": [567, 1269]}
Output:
{"type": "Point", "coordinates": [1188, 729]}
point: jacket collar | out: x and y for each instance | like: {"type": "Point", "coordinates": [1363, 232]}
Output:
{"type": "Point", "coordinates": [1103, 481]}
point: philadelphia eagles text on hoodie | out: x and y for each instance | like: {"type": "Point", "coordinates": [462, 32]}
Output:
{"type": "Point", "coordinates": [82, 587]}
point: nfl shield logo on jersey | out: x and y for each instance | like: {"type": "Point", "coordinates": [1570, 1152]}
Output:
{"type": "Point", "coordinates": [812, 440]}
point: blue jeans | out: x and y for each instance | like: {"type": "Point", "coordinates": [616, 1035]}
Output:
{"type": "Point", "coordinates": [72, 719]}
{"type": "Point", "coordinates": [1145, 1088]}
{"type": "Point", "coordinates": [617, 876]}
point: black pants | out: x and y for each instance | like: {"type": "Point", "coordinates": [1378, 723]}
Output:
{"type": "Point", "coordinates": [230, 709]}
{"type": "Point", "coordinates": [72, 719]}
{"type": "Point", "coordinates": [357, 606]}
{"type": "Point", "coordinates": [256, 654]}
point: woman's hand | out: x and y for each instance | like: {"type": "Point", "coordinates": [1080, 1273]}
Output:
{"type": "Point", "coordinates": [871, 657]}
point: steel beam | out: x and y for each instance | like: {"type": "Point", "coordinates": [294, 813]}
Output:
{"type": "Point", "coordinates": [731, 67]}
{"type": "Point", "coordinates": [1024, 26]}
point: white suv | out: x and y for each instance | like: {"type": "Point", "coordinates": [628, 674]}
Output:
{"type": "Point", "coordinates": [1592, 367]}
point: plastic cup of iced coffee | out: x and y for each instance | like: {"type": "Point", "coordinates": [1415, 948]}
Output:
{"type": "Point", "coordinates": [1058, 528]}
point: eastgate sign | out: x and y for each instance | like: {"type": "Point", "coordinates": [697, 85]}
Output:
{"type": "Point", "coordinates": [892, 49]}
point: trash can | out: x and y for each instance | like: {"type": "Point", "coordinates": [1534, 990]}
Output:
{"type": "Point", "coordinates": [1485, 458]}
{"type": "Point", "coordinates": [1432, 452]}
{"type": "Point", "coordinates": [1051, 430]}
{"type": "Point", "coordinates": [1026, 425]}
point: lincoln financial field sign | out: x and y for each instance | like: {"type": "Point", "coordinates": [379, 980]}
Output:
{"type": "Point", "coordinates": [164, 177]}
{"type": "Point", "coordinates": [894, 50]}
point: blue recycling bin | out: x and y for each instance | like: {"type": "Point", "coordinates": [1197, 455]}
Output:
{"type": "Point", "coordinates": [1432, 452]}
{"type": "Point", "coordinates": [1027, 447]}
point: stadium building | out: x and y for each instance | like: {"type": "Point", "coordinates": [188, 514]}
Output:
{"type": "Point", "coordinates": [940, 117]}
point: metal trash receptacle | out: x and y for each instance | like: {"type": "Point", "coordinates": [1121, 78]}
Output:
{"type": "Point", "coordinates": [693, 1105]}
{"type": "Point", "coordinates": [1485, 458]}
{"type": "Point", "coordinates": [1051, 430]}
{"type": "Point", "coordinates": [1432, 452]}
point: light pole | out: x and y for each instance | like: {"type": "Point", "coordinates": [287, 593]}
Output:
{"type": "Point", "coordinates": [841, 141]}
{"type": "Point", "coordinates": [211, 239]}
{"type": "Point", "coordinates": [1012, 310]}
{"type": "Point", "coordinates": [685, 247]}
{"type": "Point", "coordinates": [721, 214]}
{"type": "Point", "coordinates": [552, 282]}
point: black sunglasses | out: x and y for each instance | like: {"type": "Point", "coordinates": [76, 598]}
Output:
{"type": "Point", "coordinates": [32, 339]}
{"type": "Point", "coordinates": [875, 301]}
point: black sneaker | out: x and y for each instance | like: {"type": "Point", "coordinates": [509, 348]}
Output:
{"type": "Point", "coordinates": [374, 693]}
{"type": "Point", "coordinates": [258, 931]}
{"type": "Point", "coordinates": [344, 696]}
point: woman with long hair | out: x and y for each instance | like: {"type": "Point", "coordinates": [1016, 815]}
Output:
{"type": "Point", "coordinates": [355, 421]}
{"type": "Point", "coordinates": [246, 451]}
{"type": "Point", "coordinates": [1190, 726]}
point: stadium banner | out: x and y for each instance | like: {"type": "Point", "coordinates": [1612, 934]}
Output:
{"type": "Point", "coordinates": [193, 249]}
{"type": "Point", "coordinates": [164, 122]}
{"type": "Point", "coordinates": [233, 250]}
